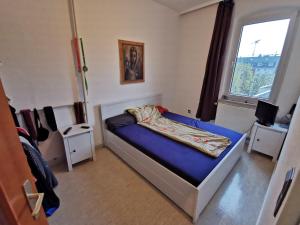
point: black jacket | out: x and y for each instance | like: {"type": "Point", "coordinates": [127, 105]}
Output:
{"type": "Point", "coordinates": [45, 180]}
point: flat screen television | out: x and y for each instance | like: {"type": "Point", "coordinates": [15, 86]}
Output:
{"type": "Point", "coordinates": [266, 113]}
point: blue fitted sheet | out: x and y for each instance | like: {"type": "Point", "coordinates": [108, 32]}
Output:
{"type": "Point", "coordinates": [188, 163]}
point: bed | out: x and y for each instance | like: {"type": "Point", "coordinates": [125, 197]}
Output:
{"type": "Point", "coordinates": [189, 178]}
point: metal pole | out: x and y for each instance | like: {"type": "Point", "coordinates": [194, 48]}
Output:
{"type": "Point", "coordinates": [83, 70]}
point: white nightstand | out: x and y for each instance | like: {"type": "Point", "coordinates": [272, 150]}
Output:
{"type": "Point", "coordinates": [79, 144]}
{"type": "Point", "coordinates": [267, 140]}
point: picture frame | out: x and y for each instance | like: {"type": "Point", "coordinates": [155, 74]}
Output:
{"type": "Point", "coordinates": [131, 58]}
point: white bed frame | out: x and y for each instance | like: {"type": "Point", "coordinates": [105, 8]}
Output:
{"type": "Point", "coordinates": [188, 197]}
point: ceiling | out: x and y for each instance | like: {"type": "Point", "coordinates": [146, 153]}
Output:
{"type": "Point", "coordinates": [184, 6]}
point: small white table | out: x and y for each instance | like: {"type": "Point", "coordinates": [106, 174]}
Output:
{"type": "Point", "coordinates": [79, 144]}
{"type": "Point", "coordinates": [267, 140]}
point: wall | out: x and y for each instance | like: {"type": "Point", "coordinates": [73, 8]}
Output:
{"type": "Point", "coordinates": [36, 61]}
{"type": "Point", "coordinates": [290, 89]}
{"type": "Point", "coordinates": [37, 64]}
{"type": "Point", "coordinates": [196, 30]}
{"type": "Point", "coordinates": [36, 54]}
{"type": "Point", "coordinates": [195, 35]}
{"type": "Point", "coordinates": [101, 24]}
{"type": "Point", "coordinates": [236, 117]}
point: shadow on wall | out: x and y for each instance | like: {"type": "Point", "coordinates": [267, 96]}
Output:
{"type": "Point", "coordinates": [53, 149]}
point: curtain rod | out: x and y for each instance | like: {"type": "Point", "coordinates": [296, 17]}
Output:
{"type": "Point", "coordinates": [200, 6]}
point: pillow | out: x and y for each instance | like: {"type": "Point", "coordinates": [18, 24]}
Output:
{"type": "Point", "coordinates": [161, 109]}
{"type": "Point", "coordinates": [122, 120]}
{"type": "Point", "coordinates": [145, 113]}
{"type": "Point", "coordinates": [136, 113]}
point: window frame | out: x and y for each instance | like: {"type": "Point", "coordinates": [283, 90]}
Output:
{"type": "Point", "coordinates": [265, 16]}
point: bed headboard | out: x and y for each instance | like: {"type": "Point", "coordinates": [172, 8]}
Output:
{"type": "Point", "coordinates": [115, 108]}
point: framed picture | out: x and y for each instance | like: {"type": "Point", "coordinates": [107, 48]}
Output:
{"type": "Point", "coordinates": [131, 62]}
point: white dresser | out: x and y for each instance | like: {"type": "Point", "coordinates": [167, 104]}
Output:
{"type": "Point", "coordinates": [267, 140]}
{"type": "Point", "coordinates": [79, 144]}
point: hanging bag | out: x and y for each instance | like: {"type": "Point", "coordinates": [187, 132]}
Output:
{"type": "Point", "coordinates": [42, 133]}
{"type": "Point", "coordinates": [50, 117]}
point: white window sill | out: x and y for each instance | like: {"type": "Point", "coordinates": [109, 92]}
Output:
{"type": "Point", "coordinates": [237, 104]}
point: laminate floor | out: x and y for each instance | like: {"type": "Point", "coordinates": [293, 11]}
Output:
{"type": "Point", "coordinates": [108, 192]}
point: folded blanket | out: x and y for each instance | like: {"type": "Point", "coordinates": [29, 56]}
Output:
{"type": "Point", "coordinates": [206, 142]}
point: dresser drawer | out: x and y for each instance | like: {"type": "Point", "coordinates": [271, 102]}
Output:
{"type": "Point", "coordinates": [268, 141]}
{"type": "Point", "coordinates": [80, 147]}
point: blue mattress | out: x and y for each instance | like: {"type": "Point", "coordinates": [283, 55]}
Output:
{"type": "Point", "coordinates": [186, 162]}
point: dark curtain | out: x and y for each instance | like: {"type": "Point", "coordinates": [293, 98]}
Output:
{"type": "Point", "coordinates": [213, 74]}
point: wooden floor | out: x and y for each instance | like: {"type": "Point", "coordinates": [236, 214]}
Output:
{"type": "Point", "coordinates": [108, 192]}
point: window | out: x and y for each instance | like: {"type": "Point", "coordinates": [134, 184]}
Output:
{"type": "Point", "coordinates": [256, 65]}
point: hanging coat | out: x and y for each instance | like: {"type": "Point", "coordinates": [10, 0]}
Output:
{"type": "Point", "coordinates": [45, 180]}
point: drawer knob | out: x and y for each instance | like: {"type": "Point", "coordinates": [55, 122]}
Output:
{"type": "Point", "coordinates": [258, 139]}
{"type": "Point", "coordinates": [74, 150]}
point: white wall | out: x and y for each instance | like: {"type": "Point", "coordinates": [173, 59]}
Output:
{"type": "Point", "coordinates": [290, 89]}
{"type": "Point", "coordinates": [102, 23]}
{"type": "Point", "coordinates": [38, 65]}
{"type": "Point", "coordinates": [235, 117]}
{"type": "Point", "coordinates": [36, 54]}
{"type": "Point", "coordinates": [196, 30]}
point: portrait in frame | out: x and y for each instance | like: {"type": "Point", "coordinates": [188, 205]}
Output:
{"type": "Point", "coordinates": [131, 62]}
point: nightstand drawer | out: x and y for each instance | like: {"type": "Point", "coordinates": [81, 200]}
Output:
{"type": "Point", "coordinates": [267, 141]}
{"type": "Point", "coordinates": [80, 147]}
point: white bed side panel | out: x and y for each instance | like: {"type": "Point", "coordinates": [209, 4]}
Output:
{"type": "Point", "coordinates": [180, 191]}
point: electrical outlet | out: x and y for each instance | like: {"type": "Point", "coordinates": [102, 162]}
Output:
{"type": "Point", "coordinates": [189, 111]}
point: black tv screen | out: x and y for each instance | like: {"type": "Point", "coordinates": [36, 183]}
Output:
{"type": "Point", "coordinates": [266, 113]}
